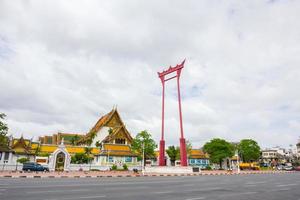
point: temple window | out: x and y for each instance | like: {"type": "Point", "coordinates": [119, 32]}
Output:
{"type": "Point", "coordinates": [128, 159]}
{"type": "Point", "coordinates": [110, 159]}
{"type": "Point", "coordinates": [6, 155]}
{"type": "Point", "coordinates": [120, 141]}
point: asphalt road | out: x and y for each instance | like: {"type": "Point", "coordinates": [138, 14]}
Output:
{"type": "Point", "coordinates": [259, 186]}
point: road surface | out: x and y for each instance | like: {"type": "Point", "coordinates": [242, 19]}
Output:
{"type": "Point", "coordinates": [233, 187]}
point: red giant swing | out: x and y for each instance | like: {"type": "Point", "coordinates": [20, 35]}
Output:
{"type": "Point", "coordinates": [162, 75]}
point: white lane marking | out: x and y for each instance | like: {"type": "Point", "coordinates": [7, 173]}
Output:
{"type": "Point", "coordinates": [285, 185]}
{"type": "Point", "coordinates": [255, 182]}
{"type": "Point", "coordinates": [91, 197]}
{"type": "Point", "coordinates": [54, 191]}
{"type": "Point", "coordinates": [237, 194]}
{"type": "Point", "coordinates": [84, 197]}
{"type": "Point", "coordinates": [196, 198]}
{"type": "Point", "coordinates": [163, 192]}
{"type": "Point", "coordinates": [283, 189]}
{"type": "Point", "coordinates": [251, 185]}
{"type": "Point", "coordinates": [88, 185]}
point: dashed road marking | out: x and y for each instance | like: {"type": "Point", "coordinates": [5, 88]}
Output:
{"type": "Point", "coordinates": [55, 191]}
{"type": "Point", "coordinates": [84, 197]}
{"type": "Point", "coordinates": [196, 198]}
{"type": "Point", "coordinates": [285, 185]}
{"type": "Point", "coordinates": [164, 192]}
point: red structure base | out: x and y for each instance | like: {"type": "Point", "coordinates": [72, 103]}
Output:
{"type": "Point", "coordinates": [162, 161]}
{"type": "Point", "coordinates": [183, 154]}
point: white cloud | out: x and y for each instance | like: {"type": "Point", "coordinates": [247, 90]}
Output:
{"type": "Point", "coordinates": [64, 65]}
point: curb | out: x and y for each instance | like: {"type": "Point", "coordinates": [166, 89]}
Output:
{"type": "Point", "coordinates": [149, 175]}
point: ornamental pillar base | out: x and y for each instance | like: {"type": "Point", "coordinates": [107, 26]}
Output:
{"type": "Point", "coordinates": [162, 153]}
{"type": "Point", "coordinates": [183, 154]}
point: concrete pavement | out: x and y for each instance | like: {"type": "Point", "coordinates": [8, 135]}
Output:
{"type": "Point", "coordinates": [254, 186]}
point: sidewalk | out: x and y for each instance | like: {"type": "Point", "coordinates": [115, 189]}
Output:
{"type": "Point", "coordinates": [98, 174]}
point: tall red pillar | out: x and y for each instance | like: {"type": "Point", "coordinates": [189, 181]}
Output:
{"type": "Point", "coordinates": [162, 141]}
{"type": "Point", "coordinates": [183, 153]}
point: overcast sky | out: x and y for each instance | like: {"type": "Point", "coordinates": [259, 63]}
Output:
{"type": "Point", "coordinates": [64, 64]}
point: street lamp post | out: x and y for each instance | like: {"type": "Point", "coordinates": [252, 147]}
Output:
{"type": "Point", "coordinates": [17, 162]}
{"type": "Point", "coordinates": [237, 161]}
{"type": "Point", "coordinates": [143, 159]}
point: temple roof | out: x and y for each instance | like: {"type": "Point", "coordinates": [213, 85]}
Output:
{"type": "Point", "coordinates": [115, 133]}
{"type": "Point", "coordinates": [197, 153]}
{"type": "Point", "coordinates": [117, 150]}
{"type": "Point", "coordinates": [23, 146]}
{"type": "Point", "coordinates": [70, 149]}
{"type": "Point", "coordinates": [112, 120]}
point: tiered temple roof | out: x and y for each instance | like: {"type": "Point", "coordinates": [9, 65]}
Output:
{"type": "Point", "coordinates": [48, 144]}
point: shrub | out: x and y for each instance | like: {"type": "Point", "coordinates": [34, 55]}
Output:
{"type": "Point", "coordinates": [208, 167]}
{"type": "Point", "coordinates": [125, 167]}
{"type": "Point", "coordinates": [43, 154]}
{"type": "Point", "coordinates": [79, 158]}
{"type": "Point", "coordinates": [114, 167]}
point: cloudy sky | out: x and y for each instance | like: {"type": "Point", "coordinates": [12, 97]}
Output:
{"type": "Point", "coordinates": [63, 64]}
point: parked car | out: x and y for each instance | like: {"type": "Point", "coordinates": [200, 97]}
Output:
{"type": "Point", "coordinates": [32, 166]}
{"type": "Point", "coordinates": [297, 168]}
{"type": "Point", "coordinates": [288, 168]}
{"type": "Point", "coordinates": [280, 167]}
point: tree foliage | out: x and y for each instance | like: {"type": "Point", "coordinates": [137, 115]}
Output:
{"type": "Point", "coordinates": [149, 145]}
{"type": "Point", "coordinates": [91, 137]}
{"type": "Point", "coordinates": [23, 160]}
{"type": "Point", "coordinates": [188, 147]}
{"type": "Point", "coordinates": [173, 153]}
{"type": "Point", "coordinates": [218, 149]}
{"type": "Point", "coordinates": [3, 131]}
{"type": "Point", "coordinates": [80, 158]}
{"type": "Point", "coordinates": [249, 150]}
{"type": "Point", "coordinates": [75, 139]}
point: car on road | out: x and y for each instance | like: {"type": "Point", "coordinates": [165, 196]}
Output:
{"type": "Point", "coordinates": [288, 168]}
{"type": "Point", "coordinates": [32, 166]}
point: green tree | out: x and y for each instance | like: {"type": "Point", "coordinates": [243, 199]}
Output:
{"type": "Point", "coordinates": [173, 153]}
{"type": "Point", "coordinates": [80, 158]}
{"type": "Point", "coordinates": [188, 147]}
{"type": "Point", "coordinates": [23, 160]}
{"type": "Point", "coordinates": [249, 150]}
{"type": "Point", "coordinates": [218, 149]}
{"type": "Point", "coordinates": [90, 138]}
{"type": "Point", "coordinates": [3, 131]}
{"type": "Point", "coordinates": [149, 145]}
{"type": "Point", "coordinates": [98, 144]}
{"type": "Point", "coordinates": [74, 140]}
{"type": "Point", "coordinates": [88, 152]}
